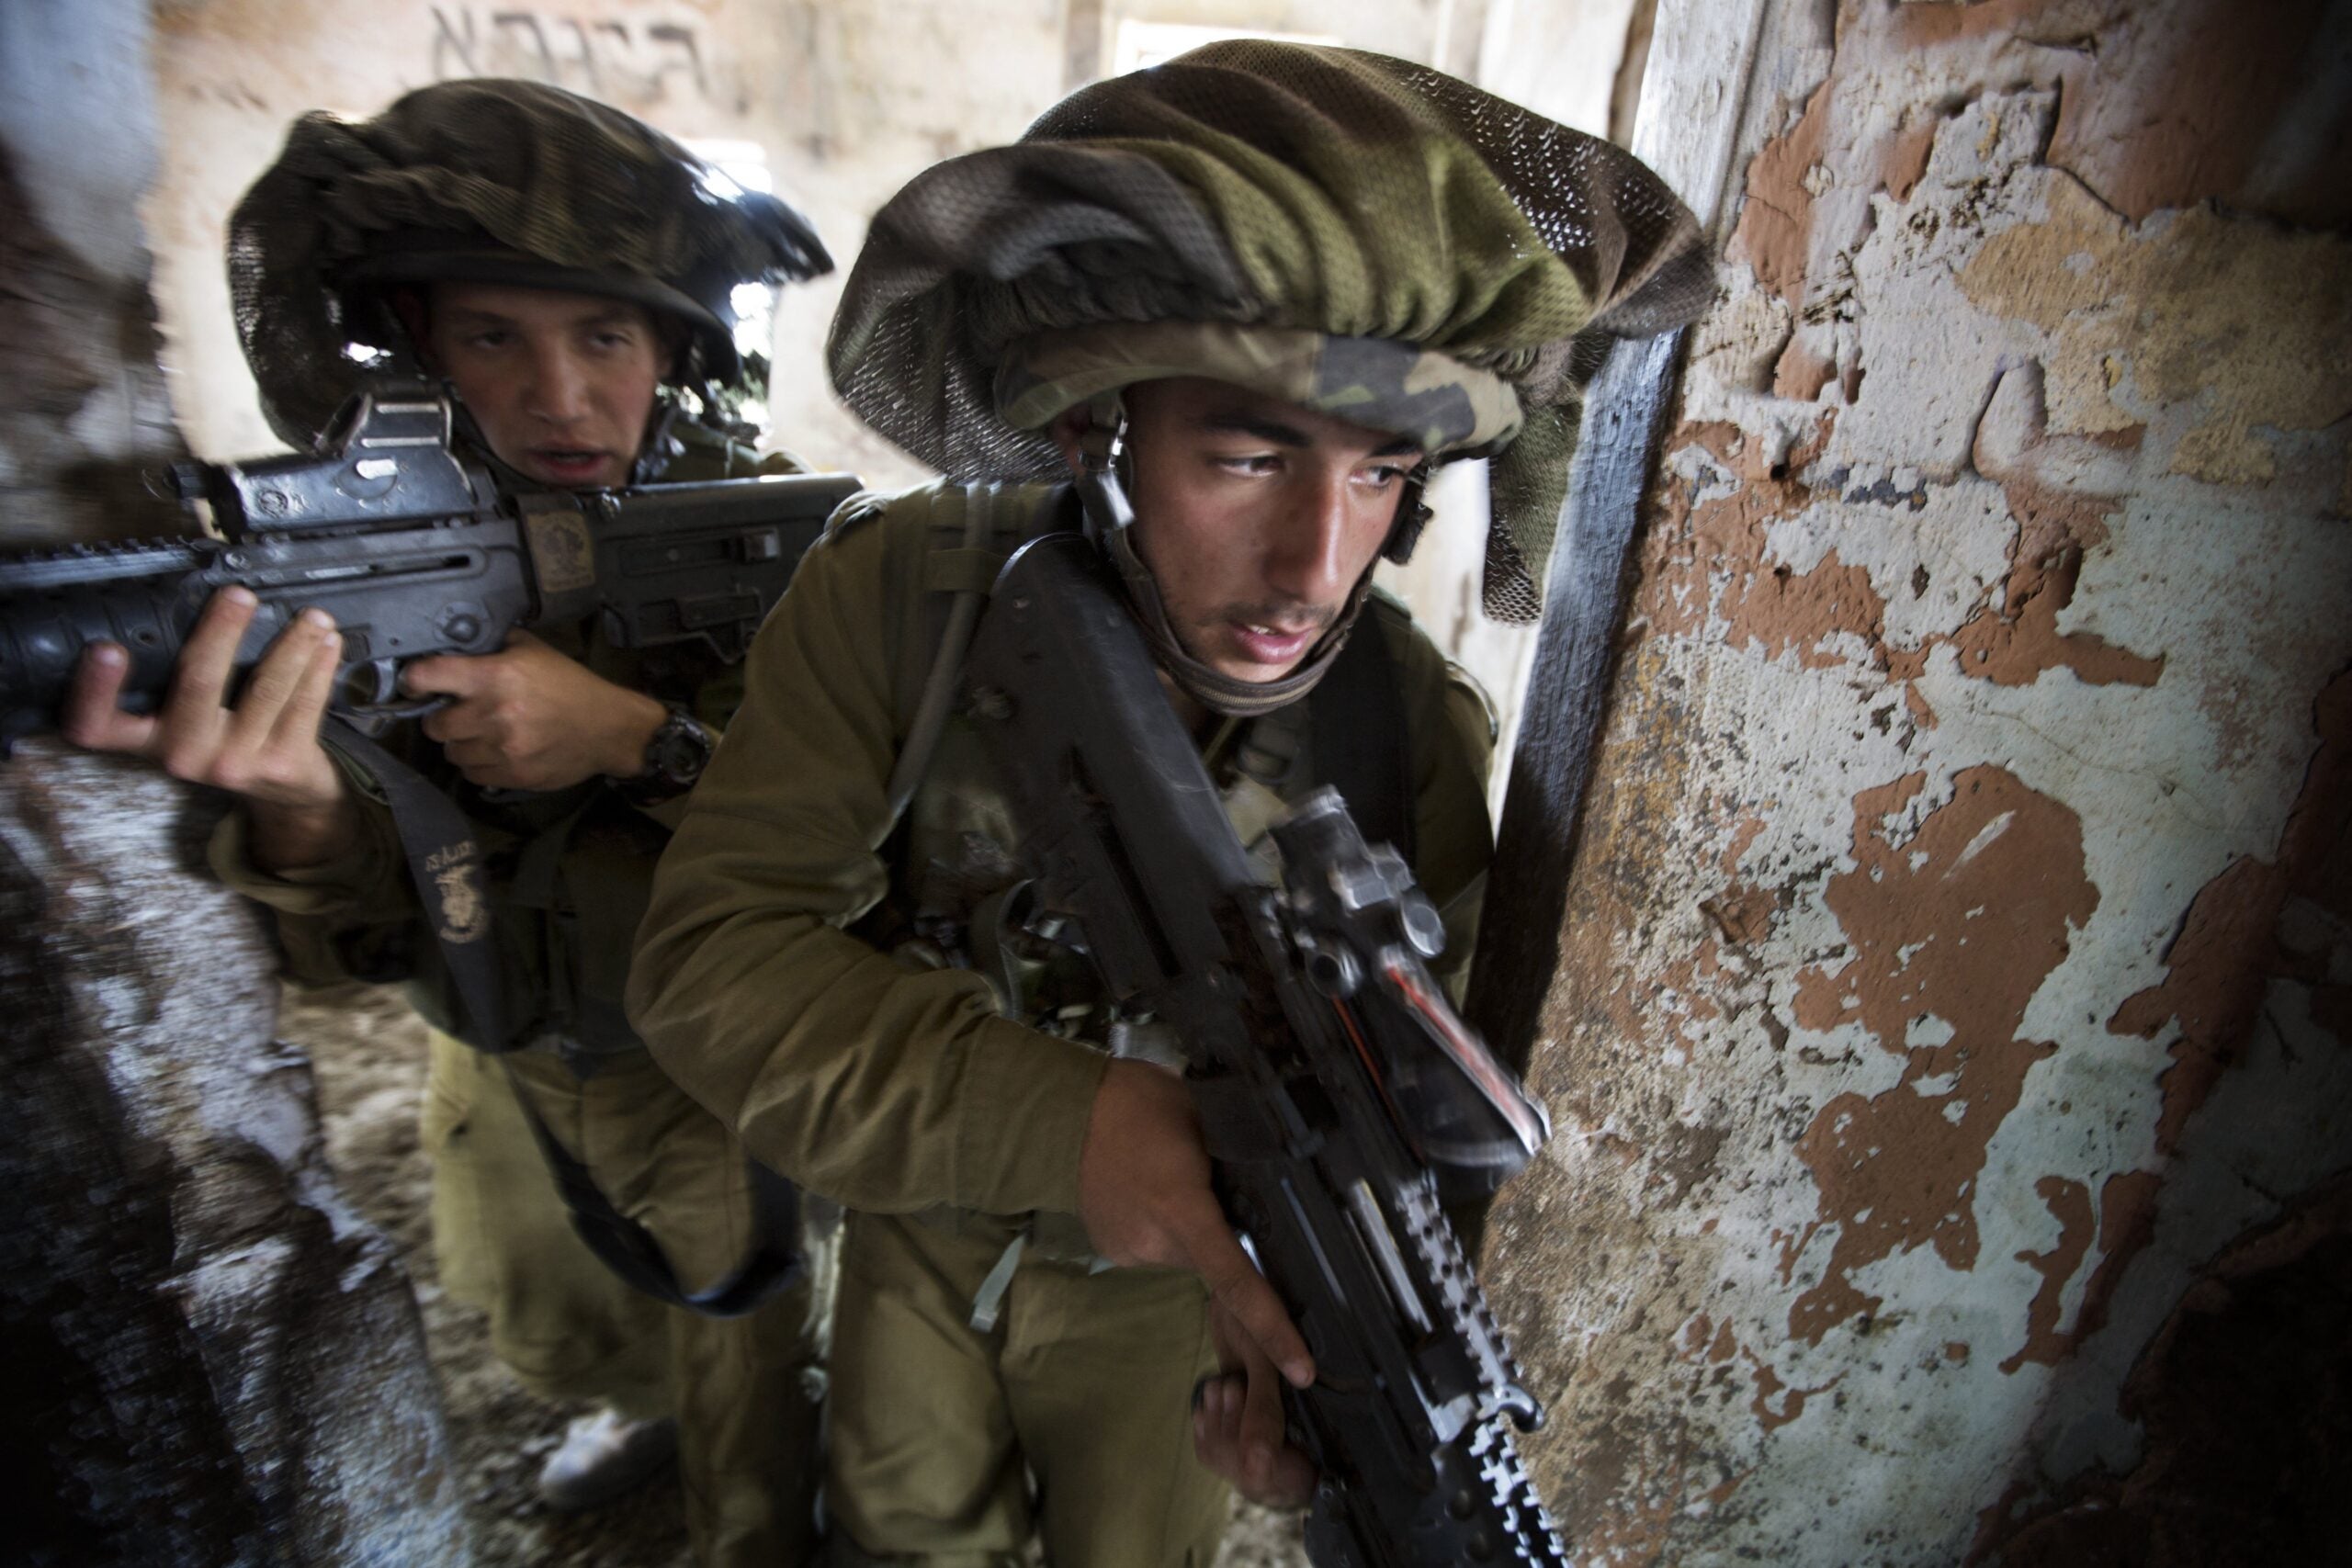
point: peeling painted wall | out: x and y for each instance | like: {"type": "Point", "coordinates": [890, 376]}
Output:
{"type": "Point", "coordinates": [1951, 1049]}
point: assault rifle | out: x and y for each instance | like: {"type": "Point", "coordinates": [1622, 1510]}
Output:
{"type": "Point", "coordinates": [1337, 1088]}
{"type": "Point", "coordinates": [414, 552]}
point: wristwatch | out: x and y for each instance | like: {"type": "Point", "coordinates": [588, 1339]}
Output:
{"type": "Point", "coordinates": [674, 759]}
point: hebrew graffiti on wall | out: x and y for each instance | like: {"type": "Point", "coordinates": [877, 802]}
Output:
{"type": "Point", "coordinates": [622, 62]}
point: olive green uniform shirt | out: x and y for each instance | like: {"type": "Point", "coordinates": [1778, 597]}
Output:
{"type": "Point", "coordinates": [892, 1087]}
{"type": "Point", "coordinates": [358, 915]}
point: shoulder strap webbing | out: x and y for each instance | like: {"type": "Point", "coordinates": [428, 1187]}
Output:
{"type": "Point", "coordinates": [1356, 729]}
{"type": "Point", "coordinates": [947, 658]}
{"type": "Point", "coordinates": [968, 573]}
{"type": "Point", "coordinates": [445, 864]}
{"type": "Point", "coordinates": [628, 1249]}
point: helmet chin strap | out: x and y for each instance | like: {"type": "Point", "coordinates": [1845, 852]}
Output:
{"type": "Point", "coordinates": [1110, 523]}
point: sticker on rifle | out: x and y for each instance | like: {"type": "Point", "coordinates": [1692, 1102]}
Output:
{"type": "Point", "coordinates": [560, 550]}
{"type": "Point", "coordinates": [462, 912]}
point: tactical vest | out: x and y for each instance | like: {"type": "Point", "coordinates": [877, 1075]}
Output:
{"type": "Point", "coordinates": [957, 898]}
{"type": "Point", "coordinates": [569, 873]}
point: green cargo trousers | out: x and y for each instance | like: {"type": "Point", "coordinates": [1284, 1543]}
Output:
{"type": "Point", "coordinates": [1072, 1413]}
{"type": "Point", "coordinates": [744, 1390]}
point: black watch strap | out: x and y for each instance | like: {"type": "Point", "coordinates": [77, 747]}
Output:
{"type": "Point", "coordinates": [674, 759]}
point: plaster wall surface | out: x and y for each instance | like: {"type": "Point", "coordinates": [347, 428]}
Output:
{"type": "Point", "coordinates": [1957, 967]}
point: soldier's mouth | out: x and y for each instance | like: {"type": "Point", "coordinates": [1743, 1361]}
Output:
{"type": "Point", "coordinates": [1271, 644]}
{"type": "Point", "coordinates": [569, 465]}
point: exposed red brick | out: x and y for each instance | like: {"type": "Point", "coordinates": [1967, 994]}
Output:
{"type": "Point", "coordinates": [2244, 1398]}
{"type": "Point", "coordinates": [2127, 1223]}
{"type": "Point", "coordinates": [2174, 104]}
{"type": "Point", "coordinates": [2013, 645]}
{"type": "Point", "coordinates": [1801, 373]}
{"type": "Point", "coordinates": [1743, 838]}
{"type": "Point", "coordinates": [2227, 952]}
{"type": "Point", "coordinates": [1769, 1384]}
{"type": "Point", "coordinates": [2069, 1204]}
{"type": "Point", "coordinates": [1707, 558]}
{"type": "Point", "coordinates": [1905, 159]}
{"type": "Point", "coordinates": [1963, 920]}
{"type": "Point", "coordinates": [1775, 227]}
{"type": "Point", "coordinates": [2182, 105]}
{"type": "Point", "coordinates": [1744, 915]}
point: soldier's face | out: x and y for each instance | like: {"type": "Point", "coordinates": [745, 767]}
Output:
{"type": "Point", "coordinates": [563, 385]}
{"type": "Point", "coordinates": [1256, 517]}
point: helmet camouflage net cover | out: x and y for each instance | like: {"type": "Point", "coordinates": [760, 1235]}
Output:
{"type": "Point", "coordinates": [1388, 238]}
{"type": "Point", "coordinates": [486, 181]}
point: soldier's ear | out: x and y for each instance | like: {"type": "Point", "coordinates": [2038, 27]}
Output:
{"type": "Point", "coordinates": [1069, 427]}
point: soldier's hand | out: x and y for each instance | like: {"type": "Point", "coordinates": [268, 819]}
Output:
{"type": "Point", "coordinates": [1143, 1196]}
{"type": "Point", "coordinates": [1238, 1422]}
{"type": "Point", "coordinates": [264, 750]}
{"type": "Point", "coordinates": [529, 718]}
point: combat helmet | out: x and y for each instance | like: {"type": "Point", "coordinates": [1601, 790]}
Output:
{"type": "Point", "coordinates": [1364, 236]}
{"type": "Point", "coordinates": [488, 181]}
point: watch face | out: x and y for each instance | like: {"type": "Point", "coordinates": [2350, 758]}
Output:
{"type": "Point", "coordinates": [680, 751]}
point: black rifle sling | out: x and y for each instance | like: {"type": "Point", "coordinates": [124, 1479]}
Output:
{"type": "Point", "coordinates": [628, 1249]}
{"type": "Point", "coordinates": [445, 866]}
{"type": "Point", "coordinates": [1356, 723]}
{"type": "Point", "coordinates": [1356, 729]}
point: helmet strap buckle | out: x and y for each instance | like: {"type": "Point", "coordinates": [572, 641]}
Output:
{"type": "Point", "coordinates": [1100, 492]}
{"type": "Point", "coordinates": [1412, 515]}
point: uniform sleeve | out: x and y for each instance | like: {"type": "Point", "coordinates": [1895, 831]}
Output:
{"type": "Point", "coordinates": [886, 1088]}
{"type": "Point", "coordinates": [345, 919]}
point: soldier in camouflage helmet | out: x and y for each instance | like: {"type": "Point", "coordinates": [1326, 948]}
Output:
{"type": "Point", "coordinates": [569, 272]}
{"type": "Point", "coordinates": [1246, 298]}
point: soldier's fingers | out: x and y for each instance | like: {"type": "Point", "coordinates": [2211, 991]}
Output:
{"type": "Point", "coordinates": [496, 775]}
{"type": "Point", "coordinates": [474, 754]}
{"type": "Point", "coordinates": [93, 716]}
{"type": "Point", "coordinates": [1228, 1440]}
{"type": "Point", "coordinates": [1259, 1425]}
{"type": "Point", "coordinates": [461, 720]}
{"type": "Point", "coordinates": [201, 678]}
{"type": "Point", "coordinates": [298, 723]}
{"type": "Point", "coordinates": [1216, 1424]}
{"type": "Point", "coordinates": [276, 679]}
{"type": "Point", "coordinates": [195, 720]}
{"type": "Point", "coordinates": [443, 674]}
{"type": "Point", "coordinates": [1236, 1286]}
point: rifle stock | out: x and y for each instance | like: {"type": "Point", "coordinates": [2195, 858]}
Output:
{"type": "Point", "coordinates": [1301, 1012]}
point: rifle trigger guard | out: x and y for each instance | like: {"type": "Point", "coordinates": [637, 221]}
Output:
{"type": "Point", "coordinates": [378, 682]}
